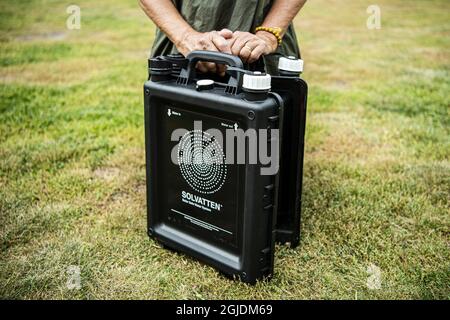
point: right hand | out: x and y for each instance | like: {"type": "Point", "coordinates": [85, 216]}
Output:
{"type": "Point", "coordinates": [212, 41]}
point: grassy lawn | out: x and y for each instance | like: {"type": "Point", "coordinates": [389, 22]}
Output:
{"type": "Point", "coordinates": [72, 170]}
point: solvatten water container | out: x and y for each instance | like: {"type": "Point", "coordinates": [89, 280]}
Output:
{"type": "Point", "coordinates": [211, 192]}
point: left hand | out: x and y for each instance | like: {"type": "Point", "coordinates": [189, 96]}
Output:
{"type": "Point", "coordinates": [250, 47]}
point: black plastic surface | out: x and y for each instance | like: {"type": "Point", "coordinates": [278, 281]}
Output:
{"type": "Point", "coordinates": [247, 252]}
{"type": "Point", "coordinates": [238, 239]}
{"type": "Point", "coordinates": [294, 92]}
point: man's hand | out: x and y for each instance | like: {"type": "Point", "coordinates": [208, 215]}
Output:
{"type": "Point", "coordinates": [212, 41]}
{"type": "Point", "coordinates": [246, 45]}
{"type": "Point", "coordinates": [250, 47]}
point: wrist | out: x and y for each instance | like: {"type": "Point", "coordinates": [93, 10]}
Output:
{"type": "Point", "coordinates": [270, 39]}
{"type": "Point", "coordinates": [181, 36]}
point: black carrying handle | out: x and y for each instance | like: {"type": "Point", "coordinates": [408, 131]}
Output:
{"type": "Point", "coordinates": [189, 73]}
{"type": "Point", "coordinates": [213, 56]}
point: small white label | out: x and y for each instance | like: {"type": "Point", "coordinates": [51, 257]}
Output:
{"type": "Point", "coordinates": [205, 82]}
{"type": "Point", "coordinates": [171, 112]}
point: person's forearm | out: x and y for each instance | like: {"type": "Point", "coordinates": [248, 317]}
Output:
{"type": "Point", "coordinates": [282, 13]}
{"type": "Point", "coordinates": [164, 14]}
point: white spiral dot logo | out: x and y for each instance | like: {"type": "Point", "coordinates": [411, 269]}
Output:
{"type": "Point", "coordinates": [202, 162]}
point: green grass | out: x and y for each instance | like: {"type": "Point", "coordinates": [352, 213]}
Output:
{"type": "Point", "coordinates": [72, 169]}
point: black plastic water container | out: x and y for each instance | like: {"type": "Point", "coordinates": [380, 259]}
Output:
{"type": "Point", "coordinates": [200, 200]}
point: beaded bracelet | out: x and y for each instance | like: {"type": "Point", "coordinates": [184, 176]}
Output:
{"type": "Point", "coordinates": [273, 30]}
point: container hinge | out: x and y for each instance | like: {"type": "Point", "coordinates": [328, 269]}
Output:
{"type": "Point", "coordinates": [265, 256]}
